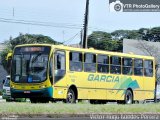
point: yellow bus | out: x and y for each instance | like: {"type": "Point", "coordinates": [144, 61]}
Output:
{"type": "Point", "coordinates": [44, 73]}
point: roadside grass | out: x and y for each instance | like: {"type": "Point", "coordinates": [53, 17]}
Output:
{"type": "Point", "coordinates": [80, 108]}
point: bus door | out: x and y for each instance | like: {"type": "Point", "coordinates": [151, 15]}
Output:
{"type": "Point", "coordinates": [59, 74]}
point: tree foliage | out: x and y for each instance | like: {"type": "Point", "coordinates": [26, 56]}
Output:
{"type": "Point", "coordinates": [30, 39]}
{"type": "Point", "coordinates": [128, 34]}
{"type": "Point", "coordinates": [152, 34]}
{"type": "Point", "coordinates": [103, 41]}
{"type": "Point", "coordinates": [113, 41]}
{"type": "Point", "coordinates": [23, 39]}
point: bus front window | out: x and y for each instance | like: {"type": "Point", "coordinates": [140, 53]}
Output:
{"type": "Point", "coordinates": [29, 67]}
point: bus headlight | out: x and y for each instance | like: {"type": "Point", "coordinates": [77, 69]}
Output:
{"type": "Point", "coordinates": [43, 86]}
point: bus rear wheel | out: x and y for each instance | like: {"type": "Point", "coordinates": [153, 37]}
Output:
{"type": "Point", "coordinates": [71, 98]}
{"type": "Point", "coordinates": [128, 97]}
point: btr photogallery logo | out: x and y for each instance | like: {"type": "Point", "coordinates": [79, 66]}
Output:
{"type": "Point", "coordinates": [116, 6]}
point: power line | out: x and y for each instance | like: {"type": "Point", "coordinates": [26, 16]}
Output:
{"type": "Point", "coordinates": [72, 38]}
{"type": "Point", "coordinates": [38, 23]}
{"type": "Point", "coordinates": [49, 24]}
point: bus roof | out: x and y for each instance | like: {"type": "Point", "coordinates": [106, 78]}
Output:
{"type": "Point", "coordinates": [90, 50]}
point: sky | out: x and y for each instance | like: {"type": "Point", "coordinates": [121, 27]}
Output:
{"type": "Point", "coordinates": [62, 20]}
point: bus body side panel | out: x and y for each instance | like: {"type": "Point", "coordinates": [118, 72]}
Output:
{"type": "Point", "coordinates": [114, 90]}
{"type": "Point", "coordinates": [86, 89]}
{"type": "Point", "coordinates": [122, 83]}
{"type": "Point", "coordinates": [101, 86]}
{"type": "Point", "coordinates": [137, 87]}
{"type": "Point", "coordinates": [149, 87]}
{"type": "Point", "coordinates": [59, 92]}
{"type": "Point", "coordinates": [105, 86]}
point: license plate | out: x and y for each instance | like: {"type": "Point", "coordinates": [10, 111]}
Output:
{"type": "Point", "coordinates": [27, 92]}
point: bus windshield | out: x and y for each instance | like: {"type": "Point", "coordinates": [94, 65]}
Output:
{"type": "Point", "coordinates": [30, 66]}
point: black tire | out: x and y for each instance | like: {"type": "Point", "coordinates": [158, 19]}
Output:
{"type": "Point", "coordinates": [71, 98]}
{"type": "Point", "coordinates": [128, 97]}
{"type": "Point", "coordinates": [33, 100]}
{"type": "Point", "coordinates": [103, 102]}
{"type": "Point", "coordinates": [120, 102]}
{"type": "Point", "coordinates": [95, 102]}
{"type": "Point", "coordinates": [92, 101]}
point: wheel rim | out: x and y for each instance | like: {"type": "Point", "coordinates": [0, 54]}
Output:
{"type": "Point", "coordinates": [129, 97]}
{"type": "Point", "coordinates": [70, 97]}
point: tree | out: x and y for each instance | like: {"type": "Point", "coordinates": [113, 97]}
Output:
{"type": "Point", "coordinates": [152, 34]}
{"type": "Point", "coordinates": [29, 39]}
{"type": "Point", "coordinates": [103, 41]}
{"type": "Point", "coordinates": [23, 39]}
{"type": "Point", "coordinates": [155, 33]}
{"type": "Point", "coordinates": [128, 34]}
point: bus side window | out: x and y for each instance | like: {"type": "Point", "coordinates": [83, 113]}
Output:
{"type": "Point", "coordinates": [75, 61]}
{"type": "Point", "coordinates": [51, 69]}
{"type": "Point", "coordinates": [148, 68]}
{"type": "Point", "coordinates": [138, 67]}
{"type": "Point", "coordinates": [59, 65]}
{"type": "Point", "coordinates": [115, 63]}
{"type": "Point", "coordinates": [103, 63]}
{"type": "Point", "coordinates": [89, 62]}
{"type": "Point", "coordinates": [127, 66]}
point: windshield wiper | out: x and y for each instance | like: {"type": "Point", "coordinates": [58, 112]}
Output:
{"type": "Point", "coordinates": [35, 58]}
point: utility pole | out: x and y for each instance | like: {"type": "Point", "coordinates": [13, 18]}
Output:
{"type": "Point", "coordinates": [86, 25]}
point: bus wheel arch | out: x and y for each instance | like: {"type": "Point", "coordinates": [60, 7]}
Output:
{"type": "Point", "coordinates": [72, 93]}
{"type": "Point", "coordinates": [129, 96]}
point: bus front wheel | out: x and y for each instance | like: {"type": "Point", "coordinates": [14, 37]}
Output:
{"type": "Point", "coordinates": [71, 98]}
{"type": "Point", "coordinates": [128, 97]}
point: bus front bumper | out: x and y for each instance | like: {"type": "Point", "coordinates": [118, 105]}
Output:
{"type": "Point", "coordinates": [45, 92]}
